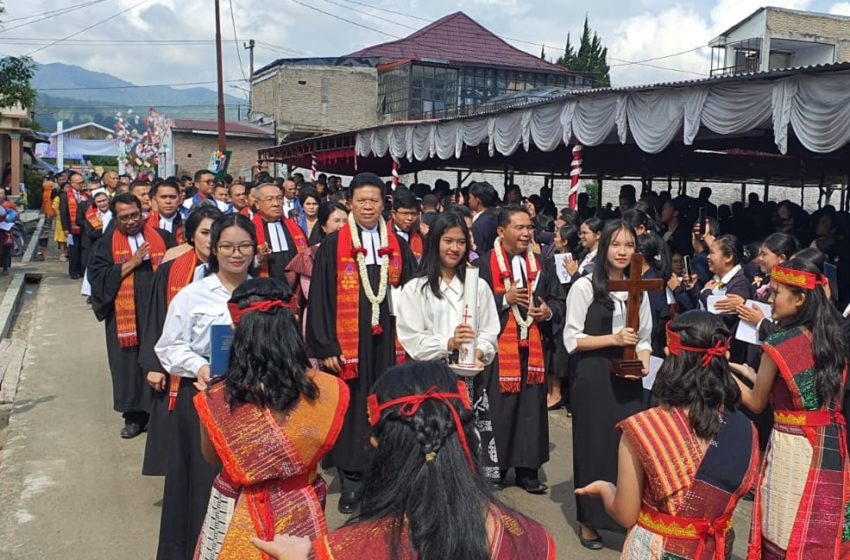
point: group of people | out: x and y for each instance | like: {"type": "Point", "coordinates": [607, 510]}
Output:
{"type": "Point", "coordinates": [354, 347]}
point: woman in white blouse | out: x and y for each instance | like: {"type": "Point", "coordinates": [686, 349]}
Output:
{"type": "Point", "coordinates": [430, 310]}
{"type": "Point", "coordinates": [595, 331]}
{"type": "Point", "coordinates": [184, 350]}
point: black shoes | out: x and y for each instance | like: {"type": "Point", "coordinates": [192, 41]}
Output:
{"type": "Point", "coordinates": [532, 485]}
{"type": "Point", "coordinates": [347, 502]}
{"type": "Point", "coordinates": [591, 544]}
{"type": "Point", "coordinates": [131, 430]}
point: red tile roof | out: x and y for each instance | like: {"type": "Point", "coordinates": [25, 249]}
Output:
{"type": "Point", "coordinates": [229, 127]}
{"type": "Point", "coordinates": [458, 39]}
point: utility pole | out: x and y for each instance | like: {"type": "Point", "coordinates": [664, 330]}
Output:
{"type": "Point", "coordinates": [222, 142]}
{"type": "Point", "coordinates": [250, 46]}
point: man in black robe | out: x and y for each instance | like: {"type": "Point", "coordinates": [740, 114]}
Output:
{"type": "Point", "coordinates": [520, 420]}
{"type": "Point", "coordinates": [74, 225]}
{"type": "Point", "coordinates": [130, 391]}
{"type": "Point", "coordinates": [279, 247]}
{"type": "Point", "coordinates": [376, 353]}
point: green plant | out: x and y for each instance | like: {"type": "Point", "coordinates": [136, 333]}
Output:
{"type": "Point", "coordinates": [592, 190]}
{"type": "Point", "coordinates": [33, 180]}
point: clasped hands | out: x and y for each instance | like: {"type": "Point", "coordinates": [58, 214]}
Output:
{"type": "Point", "coordinates": [519, 297]}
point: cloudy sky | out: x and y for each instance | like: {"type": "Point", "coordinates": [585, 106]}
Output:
{"type": "Point", "coordinates": [169, 41]}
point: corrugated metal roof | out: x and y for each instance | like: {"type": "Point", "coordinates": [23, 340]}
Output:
{"type": "Point", "coordinates": [459, 39]}
{"type": "Point", "coordinates": [229, 127]}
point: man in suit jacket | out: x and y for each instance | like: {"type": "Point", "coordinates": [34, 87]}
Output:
{"type": "Point", "coordinates": [484, 201]}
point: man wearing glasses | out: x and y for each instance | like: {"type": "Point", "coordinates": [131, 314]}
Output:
{"type": "Point", "coordinates": [203, 185]}
{"type": "Point", "coordinates": [72, 212]}
{"type": "Point", "coordinates": [405, 214]}
{"type": "Point", "coordinates": [121, 273]}
{"type": "Point", "coordinates": [279, 239]}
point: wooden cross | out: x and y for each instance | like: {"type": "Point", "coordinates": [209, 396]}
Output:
{"type": "Point", "coordinates": [635, 286]}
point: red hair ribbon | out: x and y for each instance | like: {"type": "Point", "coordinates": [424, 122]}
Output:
{"type": "Point", "coordinates": [411, 403]}
{"type": "Point", "coordinates": [675, 347]}
{"type": "Point", "coordinates": [265, 306]}
{"type": "Point", "coordinates": [798, 278]}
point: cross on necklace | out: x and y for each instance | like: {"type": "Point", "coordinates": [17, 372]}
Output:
{"type": "Point", "coordinates": [635, 286]}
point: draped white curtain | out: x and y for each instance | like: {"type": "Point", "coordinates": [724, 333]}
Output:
{"type": "Point", "coordinates": [815, 106]}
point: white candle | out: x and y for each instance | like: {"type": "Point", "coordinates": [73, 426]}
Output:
{"type": "Point", "coordinates": [466, 354]}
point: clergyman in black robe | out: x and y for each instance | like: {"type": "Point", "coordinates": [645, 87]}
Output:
{"type": "Point", "coordinates": [521, 420]}
{"type": "Point", "coordinates": [278, 246]}
{"type": "Point", "coordinates": [376, 353]}
{"type": "Point", "coordinates": [130, 391]}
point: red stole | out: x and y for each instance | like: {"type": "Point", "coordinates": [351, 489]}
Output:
{"type": "Point", "coordinates": [274, 463]}
{"type": "Point", "coordinates": [246, 212]}
{"type": "Point", "coordinates": [72, 209]}
{"type": "Point", "coordinates": [153, 221]}
{"type": "Point", "coordinates": [93, 218]}
{"type": "Point", "coordinates": [510, 346]}
{"type": "Point", "coordinates": [348, 297]}
{"type": "Point", "coordinates": [125, 301]}
{"type": "Point", "coordinates": [181, 274]}
{"type": "Point", "coordinates": [416, 243]}
{"type": "Point", "coordinates": [294, 231]}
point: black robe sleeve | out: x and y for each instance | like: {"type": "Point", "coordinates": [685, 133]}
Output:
{"type": "Point", "coordinates": [321, 315]}
{"type": "Point", "coordinates": [549, 290]}
{"type": "Point", "coordinates": [104, 277]}
{"type": "Point", "coordinates": [151, 328]}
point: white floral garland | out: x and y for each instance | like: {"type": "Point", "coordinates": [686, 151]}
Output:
{"type": "Point", "coordinates": [374, 299]}
{"type": "Point", "coordinates": [524, 324]}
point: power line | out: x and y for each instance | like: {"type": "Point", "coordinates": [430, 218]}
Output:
{"type": "Point", "coordinates": [104, 20]}
{"type": "Point", "coordinates": [388, 20]}
{"type": "Point", "coordinates": [53, 14]}
{"type": "Point", "coordinates": [388, 10]}
{"type": "Point", "coordinates": [274, 48]}
{"type": "Point", "coordinates": [131, 86]}
{"type": "Point", "coordinates": [300, 3]}
{"type": "Point", "coordinates": [236, 39]}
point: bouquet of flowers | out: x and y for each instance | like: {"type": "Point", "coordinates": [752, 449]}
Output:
{"type": "Point", "coordinates": [139, 143]}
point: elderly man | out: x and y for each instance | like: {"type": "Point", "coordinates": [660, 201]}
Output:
{"type": "Point", "coordinates": [110, 183]}
{"type": "Point", "coordinates": [279, 239]}
{"type": "Point", "coordinates": [290, 198]}
{"type": "Point", "coordinates": [72, 213]}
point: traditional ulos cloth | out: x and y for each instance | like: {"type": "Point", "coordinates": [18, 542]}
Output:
{"type": "Point", "coordinates": [273, 465]}
{"type": "Point", "coordinates": [339, 322]}
{"type": "Point", "coordinates": [688, 494]}
{"type": "Point", "coordinates": [122, 304]}
{"type": "Point", "coordinates": [515, 537]}
{"type": "Point", "coordinates": [171, 277]}
{"type": "Point", "coordinates": [424, 329]}
{"type": "Point", "coordinates": [516, 382]}
{"type": "Point", "coordinates": [599, 399]}
{"type": "Point", "coordinates": [284, 238]}
{"type": "Point", "coordinates": [413, 238]}
{"type": "Point", "coordinates": [801, 510]}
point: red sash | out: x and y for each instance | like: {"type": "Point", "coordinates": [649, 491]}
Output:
{"type": "Point", "coordinates": [348, 298]}
{"type": "Point", "coordinates": [153, 221]}
{"type": "Point", "coordinates": [246, 212]}
{"type": "Point", "coordinates": [294, 231]}
{"type": "Point", "coordinates": [72, 210]}
{"type": "Point", "coordinates": [510, 346]}
{"type": "Point", "coordinates": [93, 218]}
{"type": "Point", "coordinates": [181, 274]}
{"type": "Point", "coordinates": [416, 243]}
{"type": "Point", "coordinates": [125, 301]}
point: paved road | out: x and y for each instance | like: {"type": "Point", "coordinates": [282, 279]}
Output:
{"type": "Point", "coordinates": [71, 489]}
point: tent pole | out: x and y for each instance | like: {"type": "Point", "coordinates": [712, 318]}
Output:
{"type": "Point", "coordinates": [459, 178]}
{"type": "Point", "coordinates": [843, 196]}
{"type": "Point", "coordinates": [743, 193]}
{"type": "Point", "coordinates": [766, 189]}
{"type": "Point", "coordinates": [598, 192]}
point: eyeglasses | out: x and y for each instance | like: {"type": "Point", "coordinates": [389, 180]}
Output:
{"type": "Point", "coordinates": [129, 217]}
{"type": "Point", "coordinates": [227, 249]}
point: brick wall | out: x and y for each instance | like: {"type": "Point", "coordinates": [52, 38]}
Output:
{"type": "Point", "coordinates": [318, 98]}
{"type": "Point", "coordinates": [812, 27]}
{"type": "Point", "coordinates": [192, 152]}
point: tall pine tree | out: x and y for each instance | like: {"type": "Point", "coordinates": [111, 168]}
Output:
{"type": "Point", "coordinates": [590, 57]}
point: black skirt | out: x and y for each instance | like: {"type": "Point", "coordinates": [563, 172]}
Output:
{"type": "Point", "coordinates": [160, 429]}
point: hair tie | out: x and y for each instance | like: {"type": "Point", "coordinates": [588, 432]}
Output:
{"type": "Point", "coordinates": [264, 306]}
{"type": "Point", "coordinates": [675, 347]}
{"type": "Point", "coordinates": [798, 278]}
{"type": "Point", "coordinates": [409, 406]}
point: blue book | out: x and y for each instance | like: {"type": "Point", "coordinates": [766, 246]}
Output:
{"type": "Point", "coordinates": [221, 337]}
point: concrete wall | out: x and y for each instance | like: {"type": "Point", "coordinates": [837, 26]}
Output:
{"type": "Point", "coordinates": [834, 30]}
{"type": "Point", "coordinates": [193, 151]}
{"type": "Point", "coordinates": [317, 98]}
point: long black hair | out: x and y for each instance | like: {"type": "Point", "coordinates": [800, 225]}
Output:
{"type": "Point", "coordinates": [198, 214]}
{"type": "Point", "coordinates": [268, 361]}
{"type": "Point", "coordinates": [656, 253]}
{"type": "Point", "coordinates": [222, 223]}
{"type": "Point", "coordinates": [569, 235]}
{"type": "Point", "coordinates": [430, 266]}
{"type": "Point", "coordinates": [442, 502]}
{"type": "Point", "coordinates": [781, 244]}
{"type": "Point", "coordinates": [683, 382]}
{"type": "Point", "coordinates": [599, 279]}
{"type": "Point", "coordinates": [326, 210]}
{"type": "Point", "coordinates": [823, 320]}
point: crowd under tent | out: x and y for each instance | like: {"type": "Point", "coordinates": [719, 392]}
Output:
{"type": "Point", "coordinates": [784, 127]}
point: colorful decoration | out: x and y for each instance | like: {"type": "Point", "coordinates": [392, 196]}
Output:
{"type": "Point", "coordinates": [138, 142]}
{"type": "Point", "coordinates": [314, 171]}
{"type": "Point", "coordinates": [396, 167]}
{"type": "Point", "coordinates": [575, 176]}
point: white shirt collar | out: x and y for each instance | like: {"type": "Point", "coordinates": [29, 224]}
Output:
{"type": "Point", "coordinates": [728, 276]}
{"type": "Point", "coordinates": [455, 286]}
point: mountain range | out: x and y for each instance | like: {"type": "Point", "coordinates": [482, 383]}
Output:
{"type": "Point", "coordinates": [76, 95]}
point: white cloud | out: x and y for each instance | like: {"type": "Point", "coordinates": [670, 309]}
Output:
{"type": "Point", "coordinates": [840, 9]}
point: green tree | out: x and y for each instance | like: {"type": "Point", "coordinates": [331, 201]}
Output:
{"type": "Point", "coordinates": [16, 74]}
{"type": "Point", "coordinates": [591, 56]}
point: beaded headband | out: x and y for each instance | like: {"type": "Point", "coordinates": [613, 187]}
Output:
{"type": "Point", "coordinates": [675, 347]}
{"type": "Point", "coordinates": [265, 306]}
{"type": "Point", "coordinates": [410, 405]}
{"type": "Point", "coordinates": [798, 278]}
